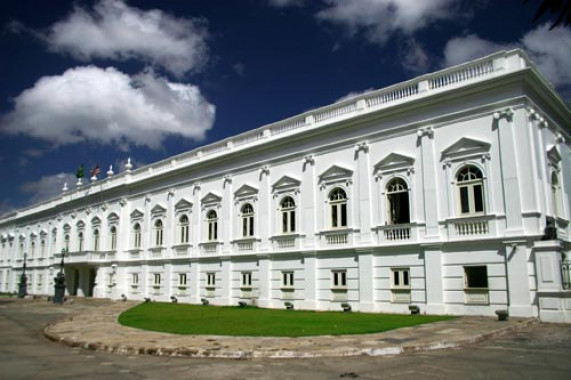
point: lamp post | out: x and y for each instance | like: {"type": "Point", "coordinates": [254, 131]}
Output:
{"type": "Point", "coordinates": [59, 287]}
{"type": "Point", "coordinates": [23, 285]}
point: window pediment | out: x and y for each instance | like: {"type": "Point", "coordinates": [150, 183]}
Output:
{"type": "Point", "coordinates": [158, 209]}
{"type": "Point", "coordinates": [183, 204]}
{"type": "Point", "coordinates": [95, 221]}
{"type": "Point", "coordinates": [466, 147]}
{"type": "Point", "coordinates": [80, 224]}
{"type": "Point", "coordinates": [211, 198]}
{"type": "Point", "coordinates": [286, 182]}
{"type": "Point", "coordinates": [245, 191]}
{"type": "Point", "coordinates": [136, 214]}
{"type": "Point", "coordinates": [394, 161]}
{"type": "Point", "coordinates": [113, 217]}
{"type": "Point", "coordinates": [334, 173]}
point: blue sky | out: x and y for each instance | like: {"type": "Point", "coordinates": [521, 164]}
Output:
{"type": "Point", "coordinates": [96, 82]}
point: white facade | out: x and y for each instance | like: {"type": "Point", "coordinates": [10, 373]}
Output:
{"type": "Point", "coordinates": [434, 192]}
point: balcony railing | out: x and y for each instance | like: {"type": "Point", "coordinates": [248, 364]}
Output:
{"type": "Point", "coordinates": [470, 227]}
{"type": "Point", "coordinates": [285, 241]}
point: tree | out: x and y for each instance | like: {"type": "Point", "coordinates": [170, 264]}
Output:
{"type": "Point", "coordinates": [560, 7]}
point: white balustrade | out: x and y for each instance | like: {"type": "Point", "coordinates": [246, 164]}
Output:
{"type": "Point", "coordinates": [338, 239]}
{"type": "Point", "coordinates": [471, 227]}
{"type": "Point", "coordinates": [396, 233]}
{"type": "Point", "coordinates": [461, 75]}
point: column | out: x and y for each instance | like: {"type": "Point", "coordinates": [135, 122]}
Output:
{"type": "Point", "coordinates": [517, 279]}
{"type": "Point", "coordinates": [227, 210]}
{"type": "Point", "coordinates": [429, 180]}
{"type": "Point", "coordinates": [263, 222]}
{"type": "Point", "coordinates": [363, 194]}
{"type": "Point", "coordinates": [433, 280]}
{"type": "Point", "coordinates": [308, 219]}
{"type": "Point", "coordinates": [310, 265]}
{"type": "Point", "coordinates": [366, 280]}
{"type": "Point", "coordinates": [503, 122]}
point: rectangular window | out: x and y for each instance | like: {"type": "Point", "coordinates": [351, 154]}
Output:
{"type": "Point", "coordinates": [157, 278]}
{"type": "Point", "coordinates": [182, 279]}
{"type": "Point", "coordinates": [246, 279]}
{"type": "Point", "coordinates": [401, 278]}
{"type": "Point", "coordinates": [134, 279]}
{"type": "Point", "coordinates": [210, 279]}
{"type": "Point", "coordinates": [476, 277]}
{"type": "Point", "coordinates": [287, 279]}
{"type": "Point", "coordinates": [334, 221]}
{"type": "Point", "coordinates": [339, 279]}
{"type": "Point", "coordinates": [478, 198]}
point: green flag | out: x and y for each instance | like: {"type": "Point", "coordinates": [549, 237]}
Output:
{"type": "Point", "coordinates": [80, 172]}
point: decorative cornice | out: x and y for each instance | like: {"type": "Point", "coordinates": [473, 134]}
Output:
{"type": "Point", "coordinates": [426, 131]}
{"type": "Point", "coordinates": [507, 113]}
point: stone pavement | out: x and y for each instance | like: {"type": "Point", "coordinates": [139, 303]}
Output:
{"type": "Point", "coordinates": [97, 329]}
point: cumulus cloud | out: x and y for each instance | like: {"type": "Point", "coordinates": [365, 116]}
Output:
{"type": "Point", "coordinates": [47, 187]}
{"type": "Point", "coordinates": [414, 57]}
{"type": "Point", "coordinates": [114, 30]}
{"type": "Point", "coordinates": [548, 49]}
{"type": "Point", "coordinates": [379, 19]}
{"type": "Point", "coordinates": [109, 107]}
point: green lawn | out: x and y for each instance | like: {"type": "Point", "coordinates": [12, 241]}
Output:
{"type": "Point", "coordinates": [251, 321]}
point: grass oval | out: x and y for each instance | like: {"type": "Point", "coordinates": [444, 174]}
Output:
{"type": "Point", "coordinates": [253, 321]}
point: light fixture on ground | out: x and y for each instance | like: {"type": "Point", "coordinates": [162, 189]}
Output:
{"type": "Point", "coordinates": [59, 287]}
{"type": "Point", "coordinates": [23, 285]}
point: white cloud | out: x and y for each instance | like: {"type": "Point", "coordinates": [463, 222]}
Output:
{"type": "Point", "coordinates": [47, 187]}
{"type": "Point", "coordinates": [353, 94]}
{"type": "Point", "coordinates": [379, 19]}
{"type": "Point", "coordinates": [114, 30]}
{"type": "Point", "coordinates": [109, 107]}
{"type": "Point", "coordinates": [548, 49]}
{"type": "Point", "coordinates": [462, 49]}
{"type": "Point", "coordinates": [413, 57]}
{"type": "Point", "coordinates": [6, 207]}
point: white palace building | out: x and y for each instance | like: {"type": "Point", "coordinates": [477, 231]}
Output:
{"type": "Point", "coordinates": [449, 192]}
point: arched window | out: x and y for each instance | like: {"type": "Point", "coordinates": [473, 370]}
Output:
{"type": "Point", "coordinates": [398, 207]}
{"type": "Point", "coordinates": [96, 240]}
{"type": "Point", "coordinates": [80, 241]}
{"type": "Point", "coordinates": [113, 236]}
{"type": "Point", "coordinates": [338, 203]}
{"type": "Point", "coordinates": [66, 242]}
{"type": "Point", "coordinates": [212, 221]}
{"type": "Point", "coordinates": [470, 190]}
{"type": "Point", "coordinates": [247, 220]}
{"type": "Point", "coordinates": [184, 229]}
{"type": "Point", "coordinates": [288, 215]}
{"type": "Point", "coordinates": [137, 236]}
{"type": "Point", "coordinates": [158, 233]}
{"type": "Point", "coordinates": [43, 248]}
{"type": "Point", "coordinates": [556, 194]}
{"type": "Point", "coordinates": [32, 249]}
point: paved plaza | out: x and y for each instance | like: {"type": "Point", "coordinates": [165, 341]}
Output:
{"type": "Point", "coordinates": [517, 349]}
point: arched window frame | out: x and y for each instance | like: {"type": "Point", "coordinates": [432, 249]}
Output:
{"type": "Point", "coordinates": [96, 239]}
{"type": "Point", "coordinates": [338, 207]}
{"type": "Point", "coordinates": [158, 228]}
{"type": "Point", "coordinates": [470, 192]}
{"type": "Point", "coordinates": [247, 216]}
{"type": "Point", "coordinates": [212, 225]}
{"type": "Point", "coordinates": [184, 229]}
{"type": "Point", "coordinates": [80, 241]}
{"type": "Point", "coordinates": [113, 238]}
{"type": "Point", "coordinates": [398, 202]}
{"type": "Point", "coordinates": [288, 214]}
{"type": "Point", "coordinates": [137, 236]}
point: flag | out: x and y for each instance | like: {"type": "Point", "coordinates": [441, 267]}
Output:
{"type": "Point", "coordinates": [80, 172]}
{"type": "Point", "coordinates": [95, 171]}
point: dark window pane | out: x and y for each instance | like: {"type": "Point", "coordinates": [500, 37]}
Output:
{"type": "Point", "coordinates": [464, 203]}
{"type": "Point", "coordinates": [292, 220]}
{"type": "Point", "coordinates": [344, 215]}
{"type": "Point", "coordinates": [478, 198]}
{"type": "Point", "coordinates": [284, 221]}
{"type": "Point", "coordinates": [334, 216]}
{"type": "Point", "coordinates": [405, 278]}
{"type": "Point", "coordinates": [477, 277]}
{"type": "Point", "coordinates": [397, 278]}
{"type": "Point", "coordinates": [252, 226]}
